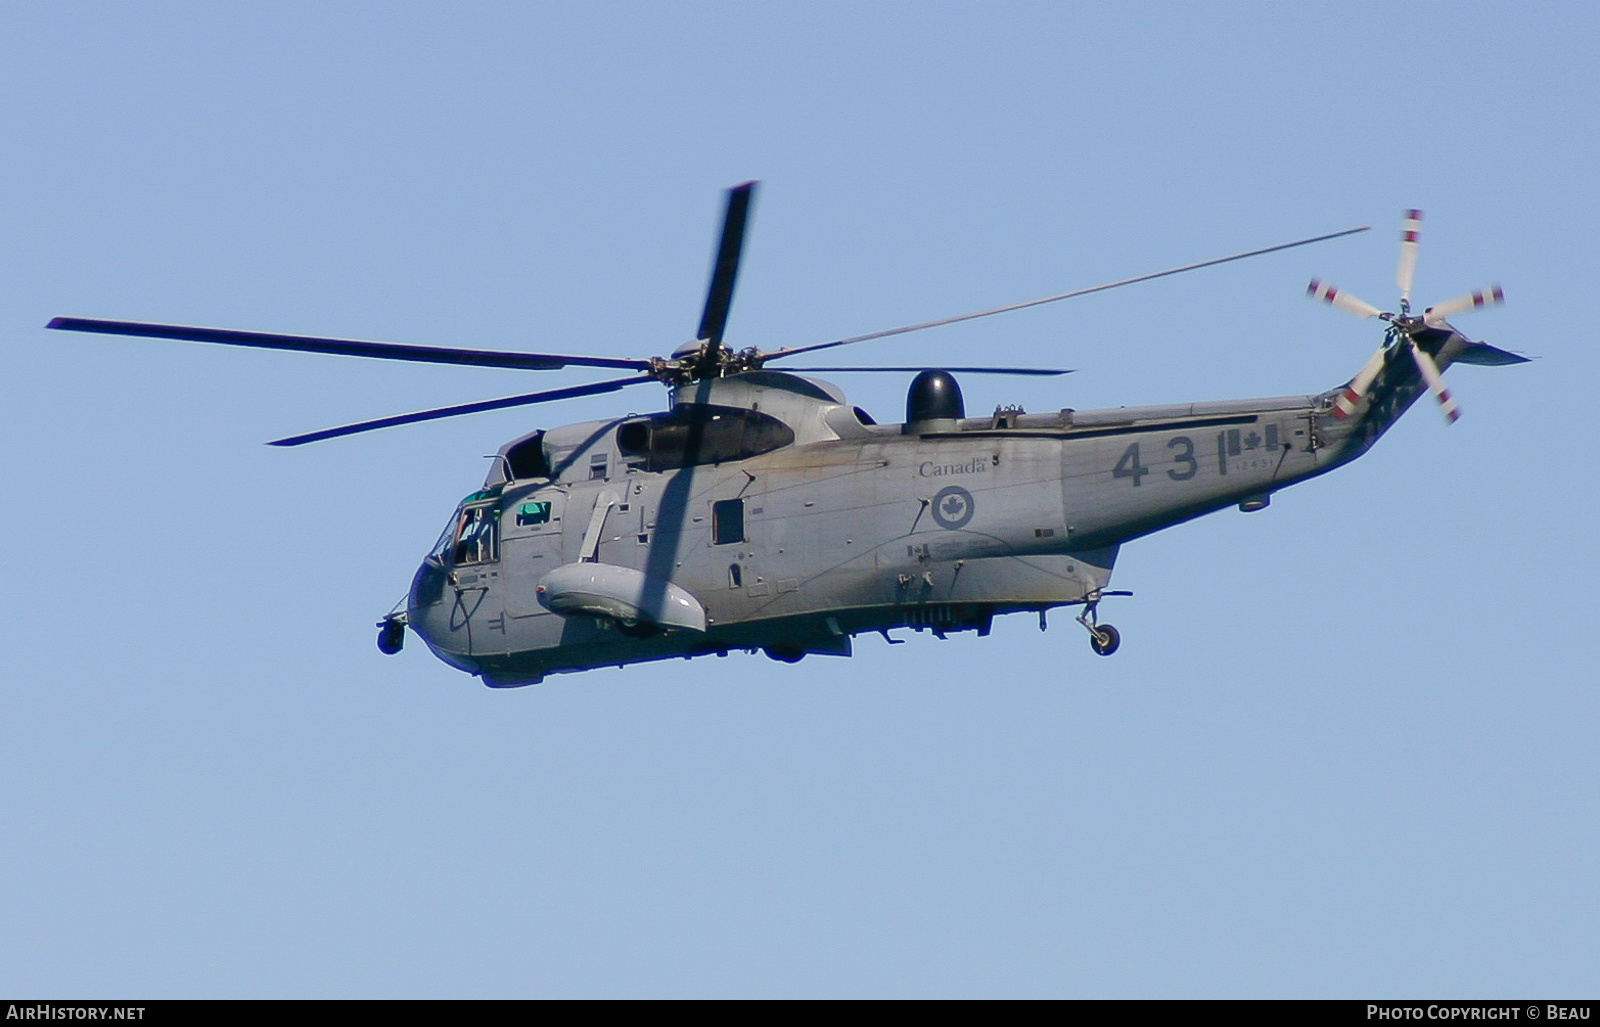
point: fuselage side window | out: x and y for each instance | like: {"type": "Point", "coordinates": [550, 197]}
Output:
{"type": "Point", "coordinates": [727, 521]}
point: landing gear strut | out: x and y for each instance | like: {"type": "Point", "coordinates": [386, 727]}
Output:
{"type": "Point", "coordinates": [1103, 638]}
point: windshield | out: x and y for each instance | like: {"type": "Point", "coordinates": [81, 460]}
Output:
{"type": "Point", "coordinates": [446, 537]}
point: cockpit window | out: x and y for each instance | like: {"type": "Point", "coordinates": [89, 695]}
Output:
{"type": "Point", "coordinates": [693, 434]}
{"type": "Point", "coordinates": [474, 538]}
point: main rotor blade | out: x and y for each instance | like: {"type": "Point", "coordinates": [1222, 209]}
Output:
{"type": "Point", "coordinates": [592, 389]}
{"type": "Point", "coordinates": [953, 370]}
{"type": "Point", "coordinates": [345, 347]}
{"type": "Point", "coordinates": [719, 297]}
{"type": "Point", "coordinates": [791, 351]}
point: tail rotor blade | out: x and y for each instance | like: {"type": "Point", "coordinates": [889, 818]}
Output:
{"type": "Point", "coordinates": [1435, 380]}
{"type": "Point", "coordinates": [1409, 230]}
{"type": "Point", "coordinates": [1353, 393]}
{"type": "Point", "coordinates": [1493, 296]}
{"type": "Point", "coordinates": [719, 297]}
{"type": "Point", "coordinates": [1320, 290]}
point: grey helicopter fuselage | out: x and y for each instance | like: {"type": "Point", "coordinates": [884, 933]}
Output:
{"type": "Point", "coordinates": [793, 522]}
{"type": "Point", "coordinates": [762, 512]}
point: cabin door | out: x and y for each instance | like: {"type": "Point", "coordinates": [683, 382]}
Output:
{"type": "Point", "coordinates": [530, 547]}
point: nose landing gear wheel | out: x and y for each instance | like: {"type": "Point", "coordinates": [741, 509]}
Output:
{"type": "Point", "coordinates": [1104, 639]}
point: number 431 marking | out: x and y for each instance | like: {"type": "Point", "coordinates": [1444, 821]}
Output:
{"type": "Point", "coordinates": [1128, 466]}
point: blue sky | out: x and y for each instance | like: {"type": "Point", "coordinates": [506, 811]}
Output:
{"type": "Point", "coordinates": [1347, 749]}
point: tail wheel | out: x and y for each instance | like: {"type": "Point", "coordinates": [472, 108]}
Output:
{"type": "Point", "coordinates": [1104, 639]}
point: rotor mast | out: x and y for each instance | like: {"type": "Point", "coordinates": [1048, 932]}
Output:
{"type": "Point", "coordinates": [707, 357]}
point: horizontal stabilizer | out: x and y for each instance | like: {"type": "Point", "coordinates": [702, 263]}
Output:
{"type": "Point", "coordinates": [1483, 353]}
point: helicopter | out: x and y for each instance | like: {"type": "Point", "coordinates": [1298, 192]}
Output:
{"type": "Point", "coordinates": [762, 512]}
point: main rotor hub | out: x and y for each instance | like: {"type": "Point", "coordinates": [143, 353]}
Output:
{"type": "Point", "coordinates": [699, 360]}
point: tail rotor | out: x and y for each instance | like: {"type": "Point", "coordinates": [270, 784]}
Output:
{"type": "Point", "coordinates": [1405, 330]}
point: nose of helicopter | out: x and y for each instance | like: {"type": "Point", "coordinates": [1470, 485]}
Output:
{"type": "Point", "coordinates": [428, 613]}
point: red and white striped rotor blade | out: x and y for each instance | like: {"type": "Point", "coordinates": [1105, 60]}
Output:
{"type": "Point", "coordinates": [1409, 229]}
{"type": "Point", "coordinates": [1320, 290]}
{"type": "Point", "coordinates": [1493, 296]}
{"type": "Point", "coordinates": [1435, 380]}
{"type": "Point", "coordinates": [1351, 397]}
